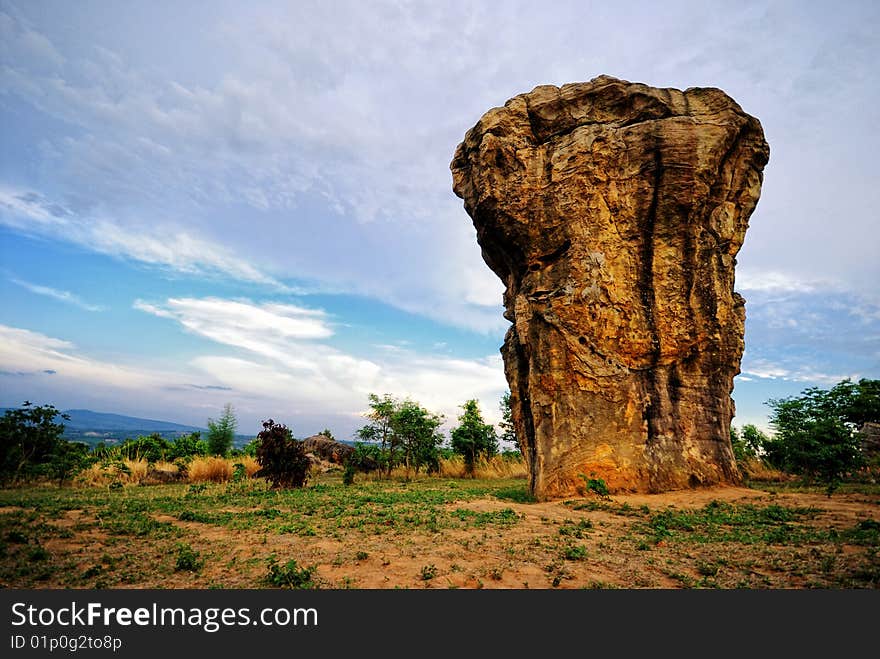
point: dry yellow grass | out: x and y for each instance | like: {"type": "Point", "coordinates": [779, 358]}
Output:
{"type": "Point", "coordinates": [219, 470]}
{"type": "Point", "coordinates": [494, 467]}
{"type": "Point", "coordinates": [134, 472]}
{"type": "Point", "coordinates": [251, 466]}
{"type": "Point", "coordinates": [454, 467]}
{"type": "Point", "coordinates": [757, 470]}
{"type": "Point", "coordinates": [214, 470]}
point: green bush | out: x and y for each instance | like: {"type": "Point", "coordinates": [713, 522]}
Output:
{"type": "Point", "coordinates": [152, 448]}
{"type": "Point", "coordinates": [596, 485]}
{"type": "Point", "coordinates": [32, 446]}
{"type": "Point", "coordinates": [186, 447]}
{"type": "Point", "coordinates": [816, 433]}
{"type": "Point", "coordinates": [188, 559]}
{"type": "Point", "coordinates": [289, 575]}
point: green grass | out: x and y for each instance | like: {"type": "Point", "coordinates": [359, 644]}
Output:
{"type": "Point", "coordinates": [744, 523]}
{"type": "Point", "coordinates": [135, 535]}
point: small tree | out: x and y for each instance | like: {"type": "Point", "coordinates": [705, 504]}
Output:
{"type": "Point", "coordinates": [747, 443]}
{"type": "Point", "coordinates": [188, 446]}
{"type": "Point", "coordinates": [380, 430]}
{"type": "Point", "coordinates": [221, 433]}
{"type": "Point", "coordinates": [416, 430]}
{"type": "Point", "coordinates": [151, 448]}
{"type": "Point", "coordinates": [473, 437]}
{"type": "Point", "coordinates": [816, 433]}
{"type": "Point", "coordinates": [29, 440]}
{"type": "Point", "coordinates": [508, 431]}
{"type": "Point", "coordinates": [282, 459]}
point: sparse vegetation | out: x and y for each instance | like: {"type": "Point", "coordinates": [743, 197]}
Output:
{"type": "Point", "coordinates": [423, 514]}
{"type": "Point", "coordinates": [488, 529]}
{"type": "Point", "coordinates": [290, 575]}
{"type": "Point", "coordinates": [188, 559]}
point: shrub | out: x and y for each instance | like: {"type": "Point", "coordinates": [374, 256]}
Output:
{"type": "Point", "coordinates": [597, 486]}
{"type": "Point", "coordinates": [283, 460]}
{"type": "Point", "coordinates": [289, 575]}
{"type": "Point", "coordinates": [151, 448]}
{"type": "Point", "coordinates": [348, 474]}
{"type": "Point", "coordinates": [30, 441]}
{"type": "Point", "coordinates": [188, 446]}
{"type": "Point", "coordinates": [188, 559]}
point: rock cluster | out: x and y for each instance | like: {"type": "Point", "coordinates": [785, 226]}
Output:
{"type": "Point", "coordinates": [613, 213]}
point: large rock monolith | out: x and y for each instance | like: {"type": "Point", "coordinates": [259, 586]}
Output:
{"type": "Point", "coordinates": [613, 213]}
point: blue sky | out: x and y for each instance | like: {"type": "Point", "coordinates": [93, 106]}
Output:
{"type": "Point", "coordinates": [212, 202]}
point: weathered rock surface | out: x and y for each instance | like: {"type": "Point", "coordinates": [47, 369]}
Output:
{"type": "Point", "coordinates": [327, 449]}
{"type": "Point", "coordinates": [613, 213]}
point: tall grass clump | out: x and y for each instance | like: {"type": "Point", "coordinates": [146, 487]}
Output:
{"type": "Point", "coordinates": [124, 472]}
{"type": "Point", "coordinates": [219, 470]}
{"type": "Point", "coordinates": [497, 466]}
{"type": "Point", "coordinates": [455, 466]}
{"type": "Point", "coordinates": [212, 470]}
{"type": "Point", "coordinates": [755, 469]}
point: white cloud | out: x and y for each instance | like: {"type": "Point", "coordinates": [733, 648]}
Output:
{"type": "Point", "coordinates": [241, 323]}
{"type": "Point", "coordinates": [24, 350]}
{"type": "Point", "coordinates": [63, 296]}
{"type": "Point", "coordinates": [23, 210]}
{"type": "Point", "coordinates": [283, 360]}
{"type": "Point", "coordinates": [769, 281]}
{"type": "Point", "coordinates": [791, 370]}
{"type": "Point", "coordinates": [162, 246]}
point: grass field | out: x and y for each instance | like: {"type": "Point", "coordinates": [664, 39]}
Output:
{"type": "Point", "coordinates": [433, 533]}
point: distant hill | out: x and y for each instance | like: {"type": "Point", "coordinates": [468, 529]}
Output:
{"type": "Point", "coordinates": [88, 420]}
{"type": "Point", "coordinates": [94, 427]}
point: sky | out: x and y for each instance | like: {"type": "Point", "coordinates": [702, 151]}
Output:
{"type": "Point", "coordinates": [217, 202]}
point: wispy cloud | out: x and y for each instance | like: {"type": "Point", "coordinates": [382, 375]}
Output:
{"type": "Point", "coordinates": [771, 281]}
{"type": "Point", "coordinates": [242, 323]}
{"type": "Point", "coordinates": [62, 296]}
{"type": "Point", "coordinates": [167, 247]}
{"type": "Point", "coordinates": [283, 356]}
{"type": "Point", "coordinates": [765, 369]}
{"type": "Point", "coordinates": [26, 355]}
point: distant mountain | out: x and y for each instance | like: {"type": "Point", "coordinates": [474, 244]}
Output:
{"type": "Point", "coordinates": [88, 420]}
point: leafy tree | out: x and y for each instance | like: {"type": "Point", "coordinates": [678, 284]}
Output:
{"type": "Point", "coordinates": [29, 440]}
{"type": "Point", "coordinates": [282, 459]}
{"type": "Point", "coordinates": [67, 459]}
{"type": "Point", "coordinates": [508, 431]}
{"type": "Point", "coordinates": [747, 443]}
{"type": "Point", "coordinates": [473, 437]}
{"type": "Point", "coordinates": [416, 430]}
{"type": "Point", "coordinates": [221, 433]}
{"type": "Point", "coordinates": [380, 430]}
{"type": "Point", "coordinates": [400, 432]}
{"type": "Point", "coordinates": [251, 447]}
{"type": "Point", "coordinates": [326, 433]}
{"type": "Point", "coordinates": [188, 446]}
{"type": "Point", "coordinates": [817, 432]}
{"type": "Point", "coordinates": [151, 448]}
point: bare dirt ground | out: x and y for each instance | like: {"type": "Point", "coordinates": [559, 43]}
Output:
{"type": "Point", "coordinates": [660, 541]}
{"type": "Point", "coordinates": [525, 555]}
